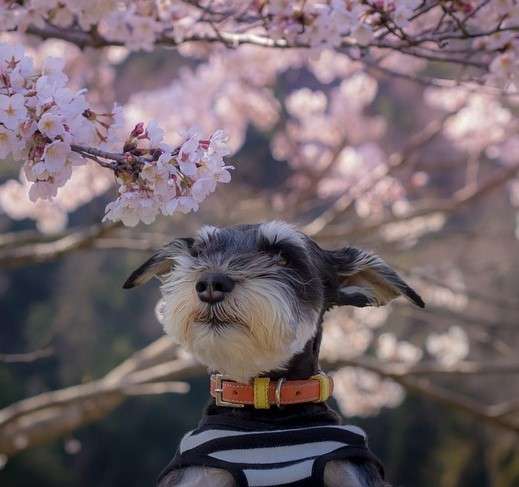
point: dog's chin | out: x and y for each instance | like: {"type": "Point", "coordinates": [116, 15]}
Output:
{"type": "Point", "coordinates": [230, 348]}
{"type": "Point", "coordinates": [214, 325]}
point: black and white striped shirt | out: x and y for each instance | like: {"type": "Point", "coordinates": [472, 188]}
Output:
{"type": "Point", "coordinates": [280, 457]}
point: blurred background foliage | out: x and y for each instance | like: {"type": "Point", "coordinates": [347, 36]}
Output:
{"type": "Point", "coordinates": [76, 306]}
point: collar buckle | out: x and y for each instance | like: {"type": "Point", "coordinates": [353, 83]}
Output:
{"type": "Point", "coordinates": [218, 392]}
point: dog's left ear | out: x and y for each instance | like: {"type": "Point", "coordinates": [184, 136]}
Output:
{"type": "Point", "coordinates": [160, 263]}
{"type": "Point", "coordinates": [364, 279]}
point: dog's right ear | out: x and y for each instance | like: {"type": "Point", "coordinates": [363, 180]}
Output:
{"type": "Point", "coordinates": [360, 278]}
{"type": "Point", "coordinates": [160, 263]}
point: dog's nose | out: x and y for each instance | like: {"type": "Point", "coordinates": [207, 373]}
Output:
{"type": "Point", "coordinates": [212, 287]}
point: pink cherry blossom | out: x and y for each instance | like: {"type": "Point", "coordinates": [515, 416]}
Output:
{"type": "Point", "coordinates": [8, 142]}
{"type": "Point", "coordinates": [44, 190]}
{"type": "Point", "coordinates": [12, 110]}
{"type": "Point", "coordinates": [131, 207]}
{"type": "Point", "coordinates": [449, 347]}
{"type": "Point", "coordinates": [51, 125]}
{"type": "Point", "coordinates": [154, 133]}
{"type": "Point", "coordinates": [55, 156]}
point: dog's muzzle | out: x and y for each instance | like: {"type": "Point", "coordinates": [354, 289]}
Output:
{"type": "Point", "coordinates": [262, 393]}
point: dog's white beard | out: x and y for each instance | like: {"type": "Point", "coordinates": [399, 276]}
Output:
{"type": "Point", "coordinates": [257, 329]}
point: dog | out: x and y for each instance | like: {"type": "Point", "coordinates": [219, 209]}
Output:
{"type": "Point", "coordinates": [248, 302]}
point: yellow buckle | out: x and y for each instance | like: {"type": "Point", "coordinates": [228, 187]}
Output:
{"type": "Point", "coordinates": [325, 386]}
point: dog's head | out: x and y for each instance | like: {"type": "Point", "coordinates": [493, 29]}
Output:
{"type": "Point", "coordinates": [246, 299]}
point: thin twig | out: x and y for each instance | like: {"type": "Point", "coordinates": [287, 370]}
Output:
{"type": "Point", "coordinates": [26, 357]}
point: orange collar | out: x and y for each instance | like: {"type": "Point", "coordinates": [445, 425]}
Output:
{"type": "Point", "coordinates": [262, 393]}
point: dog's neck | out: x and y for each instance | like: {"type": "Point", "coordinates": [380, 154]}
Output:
{"type": "Point", "coordinates": [306, 363]}
{"type": "Point", "coordinates": [302, 366]}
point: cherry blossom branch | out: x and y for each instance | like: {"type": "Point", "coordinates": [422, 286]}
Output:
{"type": "Point", "coordinates": [486, 299]}
{"type": "Point", "coordinates": [505, 408]}
{"type": "Point", "coordinates": [84, 39]}
{"type": "Point", "coordinates": [360, 26]}
{"type": "Point", "coordinates": [459, 200]}
{"type": "Point", "coordinates": [485, 332]}
{"type": "Point", "coordinates": [461, 368]}
{"type": "Point", "coordinates": [230, 39]}
{"type": "Point", "coordinates": [423, 387]}
{"type": "Point", "coordinates": [23, 237]}
{"type": "Point", "coordinates": [396, 161]}
{"type": "Point", "coordinates": [460, 317]}
{"type": "Point", "coordinates": [52, 130]}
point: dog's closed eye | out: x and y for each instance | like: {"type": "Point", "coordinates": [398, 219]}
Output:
{"type": "Point", "coordinates": [285, 253]}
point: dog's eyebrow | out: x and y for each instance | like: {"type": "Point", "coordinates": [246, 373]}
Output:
{"type": "Point", "coordinates": [277, 231]}
{"type": "Point", "coordinates": [207, 231]}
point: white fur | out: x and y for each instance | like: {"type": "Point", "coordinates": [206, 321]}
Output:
{"type": "Point", "coordinates": [261, 333]}
{"type": "Point", "coordinates": [277, 230]}
{"type": "Point", "coordinates": [206, 231]}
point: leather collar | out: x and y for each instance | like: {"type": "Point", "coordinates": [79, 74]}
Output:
{"type": "Point", "coordinates": [262, 392]}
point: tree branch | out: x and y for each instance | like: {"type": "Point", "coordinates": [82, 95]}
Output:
{"type": "Point", "coordinates": [423, 387]}
{"type": "Point", "coordinates": [35, 253]}
{"type": "Point", "coordinates": [417, 46]}
{"type": "Point", "coordinates": [461, 368]}
{"type": "Point", "coordinates": [40, 418]}
{"type": "Point", "coordinates": [27, 357]}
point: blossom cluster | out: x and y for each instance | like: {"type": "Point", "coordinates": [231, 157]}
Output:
{"type": "Point", "coordinates": [53, 129]}
{"type": "Point", "coordinates": [138, 25]}
{"type": "Point", "coordinates": [326, 24]}
{"type": "Point", "coordinates": [360, 392]}
{"type": "Point", "coordinates": [41, 119]}
{"type": "Point", "coordinates": [157, 178]}
{"type": "Point", "coordinates": [490, 27]}
{"type": "Point", "coordinates": [450, 347]}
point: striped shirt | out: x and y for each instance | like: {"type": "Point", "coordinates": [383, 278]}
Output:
{"type": "Point", "coordinates": [280, 457]}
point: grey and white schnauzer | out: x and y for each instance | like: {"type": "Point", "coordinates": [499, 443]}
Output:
{"type": "Point", "coordinates": [248, 302]}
